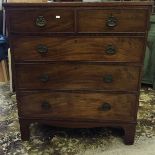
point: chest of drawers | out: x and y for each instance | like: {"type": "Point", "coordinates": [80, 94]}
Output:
{"type": "Point", "coordinates": [78, 64]}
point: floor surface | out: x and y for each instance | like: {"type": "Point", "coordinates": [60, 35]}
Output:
{"type": "Point", "coordinates": [97, 141]}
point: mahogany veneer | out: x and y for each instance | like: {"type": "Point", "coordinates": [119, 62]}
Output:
{"type": "Point", "coordinates": [78, 64]}
{"type": "Point", "coordinates": [79, 48]}
{"type": "Point", "coordinates": [60, 76]}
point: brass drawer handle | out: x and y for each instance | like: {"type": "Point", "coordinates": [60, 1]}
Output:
{"type": "Point", "coordinates": [108, 78]}
{"type": "Point", "coordinates": [40, 21]}
{"type": "Point", "coordinates": [105, 107]}
{"type": "Point", "coordinates": [111, 21]}
{"type": "Point", "coordinates": [42, 49]}
{"type": "Point", "coordinates": [110, 50]}
{"type": "Point", "coordinates": [44, 78]}
{"type": "Point", "coordinates": [45, 105]}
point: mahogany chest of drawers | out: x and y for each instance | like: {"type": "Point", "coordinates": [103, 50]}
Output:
{"type": "Point", "coordinates": [78, 64]}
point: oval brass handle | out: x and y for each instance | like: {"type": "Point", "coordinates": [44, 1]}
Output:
{"type": "Point", "coordinates": [42, 49]}
{"type": "Point", "coordinates": [40, 21]}
{"type": "Point", "coordinates": [105, 107]}
{"type": "Point", "coordinates": [108, 78]}
{"type": "Point", "coordinates": [110, 50]}
{"type": "Point", "coordinates": [44, 78]}
{"type": "Point", "coordinates": [45, 105]}
{"type": "Point", "coordinates": [111, 21]}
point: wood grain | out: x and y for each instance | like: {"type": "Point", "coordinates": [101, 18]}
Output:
{"type": "Point", "coordinates": [67, 86]}
{"type": "Point", "coordinates": [77, 76]}
{"type": "Point", "coordinates": [78, 106]}
{"type": "Point", "coordinates": [119, 4]}
{"type": "Point", "coordinates": [128, 49]}
{"type": "Point", "coordinates": [27, 20]}
{"type": "Point", "coordinates": [90, 20]}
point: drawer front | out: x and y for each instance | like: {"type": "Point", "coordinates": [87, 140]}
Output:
{"type": "Point", "coordinates": [71, 76]}
{"type": "Point", "coordinates": [41, 20]}
{"type": "Point", "coordinates": [97, 106]}
{"type": "Point", "coordinates": [121, 20]}
{"type": "Point", "coordinates": [123, 49]}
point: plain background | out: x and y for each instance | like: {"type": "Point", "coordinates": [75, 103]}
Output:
{"type": "Point", "coordinates": [1, 4]}
{"type": "Point", "coordinates": [1, 16]}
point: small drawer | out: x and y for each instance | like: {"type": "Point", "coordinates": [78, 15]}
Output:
{"type": "Point", "coordinates": [75, 76]}
{"type": "Point", "coordinates": [83, 106]}
{"type": "Point", "coordinates": [119, 49]}
{"type": "Point", "coordinates": [41, 20]}
{"type": "Point", "coordinates": [111, 20]}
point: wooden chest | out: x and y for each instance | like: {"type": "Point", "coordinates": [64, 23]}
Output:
{"type": "Point", "coordinates": [78, 64]}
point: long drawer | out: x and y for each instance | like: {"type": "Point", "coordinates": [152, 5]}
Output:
{"type": "Point", "coordinates": [81, 105]}
{"type": "Point", "coordinates": [93, 48]}
{"type": "Point", "coordinates": [61, 76]}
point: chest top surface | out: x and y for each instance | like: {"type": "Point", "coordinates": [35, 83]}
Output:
{"type": "Point", "coordinates": [82, 3]}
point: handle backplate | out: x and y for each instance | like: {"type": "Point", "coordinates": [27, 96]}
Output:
{"type": "Point", "coordinates": [108, 78]}
{"type": "Point", "coordinates": [111, 21]}
{"type": "Point", "coordinates": [45, 105]}
{"type": "Point", "coordinates": [42, 49]}
{"type": "Point", "coordinates": [105, 107]}
{"type": "Point", "coordinates": [110, 50]}
{"type": "Point", "coordinates": [40, 21]}
{"type": "Point", "coordinates": [44, 78]}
